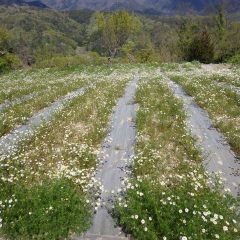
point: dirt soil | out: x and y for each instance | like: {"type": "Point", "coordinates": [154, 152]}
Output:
{"type": "Point", "coordinates": [217, 154]}
{"type": "Point", "coordinates": [216, 67]}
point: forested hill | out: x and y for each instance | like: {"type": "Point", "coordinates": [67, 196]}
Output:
{"type": "Point", "coordinates": [35, 31]}
{"type": "Point", "coordinates": [35, 35]}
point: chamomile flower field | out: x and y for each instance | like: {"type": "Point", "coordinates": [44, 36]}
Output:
{"type": "Point", "coordinates": [53, 184]}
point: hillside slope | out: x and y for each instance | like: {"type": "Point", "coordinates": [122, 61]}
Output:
{"type": "Point", "coordinates": [35, 32]}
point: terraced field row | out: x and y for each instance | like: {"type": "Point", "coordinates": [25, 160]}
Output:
{"type": "Point", "coordinates": [65, 177]}
{"type": "Point", "coordinates": [221, 103]}
{"type": "Point", "coordinates": [60, 155]}
{"type": "Point", "coordinates": [45, 88]}
{"type": "Point", "coordinates": [170, 195]}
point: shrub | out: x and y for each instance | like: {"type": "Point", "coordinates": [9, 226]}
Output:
{"type": "Point", "coordinates": [201, 48]}
{"type": "Point", "coordinates": [235, 59]}
{"type": "Point", "coordinates": [8, 62]}
{"type": "Point", "coordinates": [147, 55]}
{"type": "Point", "coordinates": [3, 64]}
{"type": "Point", "coordinates": [51, 210]}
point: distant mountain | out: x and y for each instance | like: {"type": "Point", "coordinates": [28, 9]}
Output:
{"type": "Point", "coordinates": [144, 6]}
{"type": "Point", "coordinates": [36, 4]}
{"type": "Point", "coordinates": [153, 7]}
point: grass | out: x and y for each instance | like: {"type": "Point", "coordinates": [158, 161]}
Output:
{"type": "Point", "coordinates": [169, 194]}
{"type": "Point", "coordinates": [51, 210]}
{"type": "Point", "coordinates": [230, 77]}
{"type": "Point", "coordinates": [55, 168]}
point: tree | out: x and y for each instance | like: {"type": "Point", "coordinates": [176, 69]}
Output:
{"type": "Point", "coordinates": [7, 60]}
{"type": "Point", "coordinates": [116, 29]}
{"type": "Point", "coordinates": [4, 38]}
{"type": "Point", "coordinates": [145, 49]}
{"type": "Point", "coordinates": [220, 21]}
{"type": "Point", "coordinates": [128, 49]}
{"type": "Point", "coordinates": [188, 30]}
{"type": "Point", "coordinates": [227, 32]}
{"type": "Point", "coordinates": [201, 48]}
{"type": "Point", "coordinates": [229, 45]}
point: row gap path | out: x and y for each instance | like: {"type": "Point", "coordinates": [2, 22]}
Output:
{"type": "Point", "coordinates": [117, 152]}
{"type": "Point", "coordinates": [10, 142]}
{"type": "Point", "coordinates": [217, 154]}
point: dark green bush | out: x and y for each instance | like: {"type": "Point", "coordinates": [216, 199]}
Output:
{"type": "Point", "coordinates": [235, 59]}
{"type": "Point", "coordinates": [9, 62]}
{"type": "Point", "coordinates": [201, 48]}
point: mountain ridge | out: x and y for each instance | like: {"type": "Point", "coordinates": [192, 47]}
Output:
{"type": "Point", "coordinates": [151, 7]}
{"type": "Point", "coordinates": [37, 4]}
{"type": "Point", "coordinates": [143, 6]}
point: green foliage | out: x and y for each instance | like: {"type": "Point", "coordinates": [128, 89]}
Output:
{"type": "Point", "coordinates": [235, 59]}
{"type": "Point", "coordinates": [141, 50]}
{"type": "Point", "coordinates": [225, 38]}
{"type": "Point", "coordinates": [201, 48]}
{"type": "Point", "coordinates": [195, 43]}
{"type": "Point", "coordinates": [221, 22]}
{"type": "Point", "coordinates": [81, 16]}
{"type": "Point", "coordinates": [8, 62]}
{"type": "Point", "coordinates": [4, 38]}
{"type": "Point", "coordinates": [229, 45]}
{"type": "Point", "coordinates": [146, 55]}
{"type": "Point", "coordinates": [33, 29]}
{"type": "Point", "coordinates": [116, 29]}
{"type": "Point", "coordinates": [128, 47]}
{"type": "Point", "coordinates": [50, 210]}
{"type": "Point", "coordinates": [40, 34]}
{"type": "Point", "coordinates": [186, 34]}
{"type": "Point", "coordinates": [172, 212]}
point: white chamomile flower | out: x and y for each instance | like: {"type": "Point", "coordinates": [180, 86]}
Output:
{"type": "Point", "coordinates": [225, 228]}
